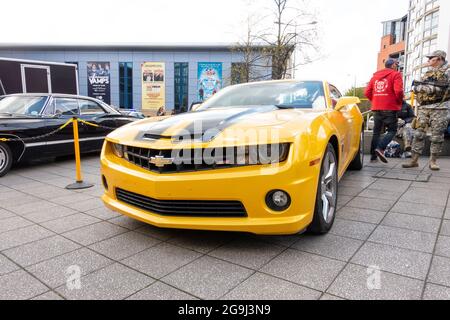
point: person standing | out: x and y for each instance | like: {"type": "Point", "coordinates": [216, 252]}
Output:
{"type": "Point", "coordinates": [385, 91]}
{"type": "Point", "coordinates": [434, 103]}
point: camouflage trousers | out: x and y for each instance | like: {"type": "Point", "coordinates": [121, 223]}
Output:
{"type": "Point", "coordinates": [434, 120]}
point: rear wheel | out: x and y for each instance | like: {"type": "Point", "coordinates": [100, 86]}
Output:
{"type": "Point", "coordinates": [6, 159]}
{"type": "Point", "coordinates": [326, 197]}
{"type": "Point", "coordinates": [358, 162]}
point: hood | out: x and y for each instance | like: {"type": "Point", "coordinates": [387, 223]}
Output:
{"type": "Point", "coordinates": [382, 74]}
{"type": "Point", "coordinates": [217, 126]}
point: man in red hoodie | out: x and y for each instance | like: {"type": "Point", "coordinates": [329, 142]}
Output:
{"type": "Point", "coordinates": [385, 91]}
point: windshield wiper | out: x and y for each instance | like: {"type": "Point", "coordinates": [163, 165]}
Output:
{"type": "Point", "coordinates": [6, 113]}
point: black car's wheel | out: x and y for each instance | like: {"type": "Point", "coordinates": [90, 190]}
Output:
{"type": "Point", "coordinates": [6, 159]}
{"type": "Point", "coordinates": [327, 194]}
{"type": "Point", "coordinates": [358, 162]}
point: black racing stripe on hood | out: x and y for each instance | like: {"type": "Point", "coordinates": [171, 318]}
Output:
{"type": "Point", "coordinates": [209, 121]}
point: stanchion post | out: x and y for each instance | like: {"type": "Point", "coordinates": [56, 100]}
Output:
{"type": "Point", "coordinates": [79, 184]}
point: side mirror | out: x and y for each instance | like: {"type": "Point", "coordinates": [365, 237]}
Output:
{"type": "Point", "coordinates": [345, 101]}
{"type": "Point", "coordinates": [195, 106]}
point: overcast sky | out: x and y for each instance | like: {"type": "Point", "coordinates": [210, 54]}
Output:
{"type": "Point", "coordinates": [350, 30]}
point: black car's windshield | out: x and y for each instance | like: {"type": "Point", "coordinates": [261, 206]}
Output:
{"type": "Point", "coordinates": [284, 94]}
{"type": "Point", "coordinates": [29, 106]}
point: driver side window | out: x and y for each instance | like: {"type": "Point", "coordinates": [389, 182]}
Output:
{"type": "Point", "coordinates": [66, 107]}
{"type": "Point", "coordinates": [335, 95]}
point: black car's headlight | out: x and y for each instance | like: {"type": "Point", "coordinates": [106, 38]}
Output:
{"type": "Point", "coordinates": [118, 149]}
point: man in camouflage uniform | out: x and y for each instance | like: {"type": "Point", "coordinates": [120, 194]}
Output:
{"type": "Point", "coordinates": [434, 105]}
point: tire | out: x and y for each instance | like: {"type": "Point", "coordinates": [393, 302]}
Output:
{"type": "Point", "coordinates": [327, 194]}
{"type": "Point", "coordinates": [358, 162]}
{"type": "Point", "coordinates": [6, 159]}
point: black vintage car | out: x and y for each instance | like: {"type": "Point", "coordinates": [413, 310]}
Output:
{"type": "Point", "coordinates": [25, 116]}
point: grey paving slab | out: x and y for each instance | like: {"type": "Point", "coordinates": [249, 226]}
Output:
{"type": "Point", "coordinates": [264, 287]}
{"type": "Point", "coordinates": [425, 210]}
{"type": "Point", "coordinates": [21, 205]}
{"type": "Point", "coordinates": [447, 212]}
{"type": "Point", "coordinates": [407, 239]}
{"type": "Point", "coordinates": [4, 214]}
{"type": "Point", "coordinates": [160, 260]}
{"type": "Point", "coordinates": [361, 215]}
{"type": "Point", "coordinates": [57, 212]}
{"type": "Point", "coordinates": [343, 200]}
{"type": "Point", "coordinates": [111, 283]}
{"type": "Point", "coordinates": [445, 230]}
{"type": "Point", "coordinates": [7, 266]}
{"type": "Point", "coordinates": [349, 191]}
{"type": "Point", "coordinates": [443, 246]}
{"type": "Point", "coordinates": [126, 222]}
{"type": "Point", "coordinates": [381, 195]}
{"type": "Point", "coordinates": [103, 213]}
{"type": "Point", "coordinates": [71, 199]}
{"type": "Point", "coordinates": [202, 241]}
{"type": "Point", "coordinates": [20, 285]}
{"type": "Point", "coordinates": [40, 250]}
{"type": "Point", "coordinates": [285, 241]}
{"type": "Point", "coordinates": [252, 254]}
{"type": "Point", "coordinates": [94, 233]}
{"type": "Point", "coordinates": [22, 236]}
{"type": "Point", "coordinates": [70, 223]}
{"type": "Point", "coordinates": [86, 205]}
{"type": "Point", "coordinates": [161, 291]}
{"type": "Point", "coordinates": [25, 209]}
{"type": "Point", "coordinates": [434, 184]}
{"type": "Point", "coordinates": [13, 224]}
{"type": "Point", "coordinates": [352, 229]}
{"type": "Point", "coordinates": [386, 185]}
{"type": "Point", "coordinates": [124, 245]}
{"type": "Point", "coordinates": [435, 292]}
{"type": "Point", "coordinates": [208, 278]}
{"type": "Point", "coordinates": [329, 246]}
{"type": "Point", "coordinates": [329, 297]}
{"type": "Point", "coordinates": [11, 195]}
{"type": "Point", "coordinates": [424, 196]}
{"type": "Point", "coordinates": [418, 223]}
{"type": "Point", "coordinates": [395, 260]}
{"type": "Point", "coordinates": [440, 271]}
{"type": "Point", "coordinates": [48, 296]}
{"type": "Point", "coordinates": [158, 233]}
{"type": "Point", "coordinates": [359, 283]}
{"type": "Point", "coordinates": [57, 271]}
{"type": "Point", "coordinates": [373, 204]}
{"type": "Point", "coordinates": [305, 269]}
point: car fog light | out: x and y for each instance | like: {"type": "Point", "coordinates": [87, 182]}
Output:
{"type": "Point", "coordinates": [278, 200]}
{"type": "Point", "coordinates": [118, 150]}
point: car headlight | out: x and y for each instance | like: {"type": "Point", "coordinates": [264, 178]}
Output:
{"type": "Point", "coordinates": [264, 154]}
{"type": "Point", "coordinates": [118, 149]}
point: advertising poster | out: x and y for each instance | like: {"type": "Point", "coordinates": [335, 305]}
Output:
{"type": "Point", "coordinates": [209, 79]}
{"type": "Point", "coordinates": [153, 86]}
{"type": "Point", "coordinates": [99, 81]}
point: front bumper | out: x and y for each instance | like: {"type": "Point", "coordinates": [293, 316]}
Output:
{"type": "Point", "coordinates": [249, 185]}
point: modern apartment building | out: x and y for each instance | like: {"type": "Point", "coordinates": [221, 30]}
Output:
{"type": "Point", "coordinates": [393, 42]}
{"type": "Point", "coordinates": [428, 30]}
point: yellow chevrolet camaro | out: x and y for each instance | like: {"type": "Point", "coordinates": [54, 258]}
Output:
{"type": "Point", "coordinates": [263, 158]}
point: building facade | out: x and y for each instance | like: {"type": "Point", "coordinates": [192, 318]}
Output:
{"type": "Point", "coordinates": [428, 30]}
{"type": "Point", "coordinates": [131, 69]}
{"type": "Point", "coordinates": [393, 42]}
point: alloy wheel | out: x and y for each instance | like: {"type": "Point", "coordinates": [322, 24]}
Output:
{"type": "Point", "coordinates": [329, 187]}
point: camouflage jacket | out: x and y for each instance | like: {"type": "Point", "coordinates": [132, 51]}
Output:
{"type": "Point", "coordinates": [434, 97]}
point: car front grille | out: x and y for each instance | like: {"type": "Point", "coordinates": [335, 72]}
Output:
{"type": "Point", "coordinates": [183, 208]}
{"type": "Point", "coordinates": [142, 156]}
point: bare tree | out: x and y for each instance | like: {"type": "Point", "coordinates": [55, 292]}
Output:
{"type": "Point", "coordinates": [289, 29]}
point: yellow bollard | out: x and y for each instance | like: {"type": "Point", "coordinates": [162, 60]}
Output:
{"type": "Point", "coordinates": [79, 184]}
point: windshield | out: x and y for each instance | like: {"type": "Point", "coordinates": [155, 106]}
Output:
{"type": "Point", "coordinates": [304, 95]}
{"type": "Point", "coordinates": [30, 106]}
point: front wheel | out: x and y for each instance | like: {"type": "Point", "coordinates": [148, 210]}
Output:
{"type": "Point", "coordinates": [326, 197]}
{"type": "Point", "coordinates": [6, 159]}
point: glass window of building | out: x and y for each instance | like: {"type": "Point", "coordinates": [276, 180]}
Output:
{"type": "Point", "coordinates": [126, 85]}
{"type": "Point", "coordinates": [181, 85]}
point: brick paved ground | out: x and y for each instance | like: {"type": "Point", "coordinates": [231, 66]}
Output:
{"type": "Point", "coordinates": [400, 227]}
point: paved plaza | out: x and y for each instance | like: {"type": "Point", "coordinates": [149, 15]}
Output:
{"type": "Point", "coordinates": [391, 240]}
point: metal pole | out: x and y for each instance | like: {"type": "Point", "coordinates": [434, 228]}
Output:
{"type": "Point", "coordinates": [79, 184]}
